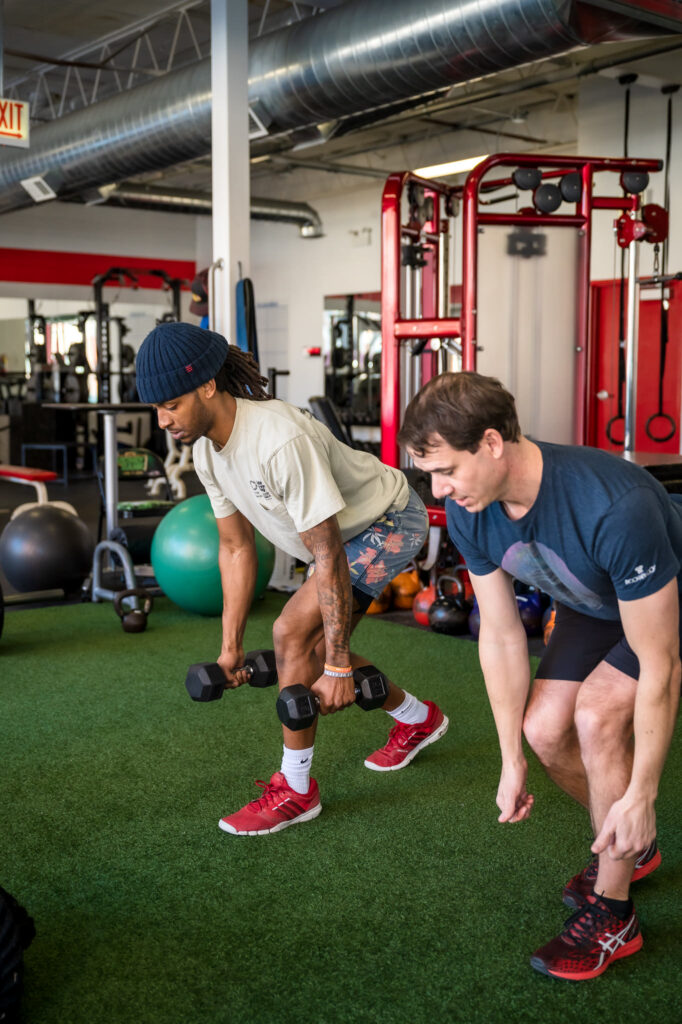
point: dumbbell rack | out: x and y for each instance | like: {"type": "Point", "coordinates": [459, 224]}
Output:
{"type": "Point", "coordinates": [415, 285]}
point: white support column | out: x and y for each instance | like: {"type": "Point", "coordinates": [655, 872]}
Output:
{"type": "Point", "coordinates": [230, 157]}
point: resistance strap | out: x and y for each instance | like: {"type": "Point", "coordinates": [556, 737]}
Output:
{"type": "Point", "coordinates": [667, 425]}
{"type": "Point", "coordinates": [627, 81]}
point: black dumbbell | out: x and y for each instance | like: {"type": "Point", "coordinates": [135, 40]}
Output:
{"type": "Point", "coordinates": [206, 680]}
{"type": "Point", "coordinates": [297, 707]}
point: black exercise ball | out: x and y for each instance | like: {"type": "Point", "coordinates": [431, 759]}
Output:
{"type": "Point", "coordinates": [2, 611]}
{"type": "Point", "coordinates": [46, 548]}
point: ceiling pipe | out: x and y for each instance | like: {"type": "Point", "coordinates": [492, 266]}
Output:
{"type": "Point", "coordinates": [308, 219]}
{"type": "Point", "coordinates": [186, 201]}
{"type": "Point", "coordinates": [361, 57]}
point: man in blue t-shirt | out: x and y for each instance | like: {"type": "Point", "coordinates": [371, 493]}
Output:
{"type": "Point", "coordinates": [604, 539]}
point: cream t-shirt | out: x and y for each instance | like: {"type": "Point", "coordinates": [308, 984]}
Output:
{"type": "Point", "coordinates": [286, 472]}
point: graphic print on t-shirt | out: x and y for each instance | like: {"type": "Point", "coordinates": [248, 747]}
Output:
{"type": "Point", "coordinates": [538, 565]}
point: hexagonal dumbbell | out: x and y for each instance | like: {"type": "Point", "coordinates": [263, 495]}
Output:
{"type": "Point", "coordinates": [206, 680]}
{"type": "Point", "coordinates": [297, 707]}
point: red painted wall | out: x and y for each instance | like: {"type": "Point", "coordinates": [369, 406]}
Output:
{"type": "Point", "coordinates": [605, 324]}
{"type": "Point", "coordinates": [44, 266]}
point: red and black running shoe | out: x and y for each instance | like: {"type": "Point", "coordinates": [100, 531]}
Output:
{"type": "Point", "coordinates": [582, 885]}
{"type": "Point", "coordinates": [278, 807]}
{"type": "Point", "coordinates": [592, 938]}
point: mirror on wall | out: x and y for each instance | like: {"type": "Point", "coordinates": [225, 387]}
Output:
{"type": "Point", "coordinates": [352, 362]}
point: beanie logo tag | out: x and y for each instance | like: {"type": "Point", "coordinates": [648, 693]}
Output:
{"type": "Point", "coordinates": [188, 368]}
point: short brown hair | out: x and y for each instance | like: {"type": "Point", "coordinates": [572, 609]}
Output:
{"type": "Point", "coordinates": [460, 407]}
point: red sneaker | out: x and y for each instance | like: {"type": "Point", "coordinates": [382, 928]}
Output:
{"type": "Point", "coordinates": [582, 885]}
{"type": "Point", "coordinates": [278, 807]}
{"type": "Point", "coordinates": [405, 741]}
{"type": "Point", "coordinates": [592, 938]}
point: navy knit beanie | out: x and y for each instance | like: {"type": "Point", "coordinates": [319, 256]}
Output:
{"type": "Point", "coordinates": [176, 358]}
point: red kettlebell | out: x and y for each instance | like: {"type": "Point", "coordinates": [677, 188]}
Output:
{"type": "Point", "coordinates": [421, 604]}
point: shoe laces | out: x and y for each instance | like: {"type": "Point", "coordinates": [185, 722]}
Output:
{"type": "Point", "coordinates": [399, 733]}
{"type": "Point", "coordinates": [586, 923]}
{"type": "Point", "coordinates": [270, 791]}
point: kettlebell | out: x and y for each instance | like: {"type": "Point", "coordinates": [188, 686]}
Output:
{"type": "Point", "coordinates": [133, 620]}
{"type": "Point", "coordinates": [462, 574]}
{"type": "Point", "coordinates": [381, 603]}
{"type": "Point", "coordinates": [404, 587]}
{"type": "Point", "coordinates": [422, 603]}
{"type": "Point", "coordinates": [530, 611]}
{"type": "Point", "coordinates": [474, 621]}
{"type": "Point", "coordinates": [449, 613]}
{"type": "Point", "coordinates": [548, 622]}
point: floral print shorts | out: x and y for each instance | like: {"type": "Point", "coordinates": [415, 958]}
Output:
{"type": "Point", "coordinates": [384, 548]}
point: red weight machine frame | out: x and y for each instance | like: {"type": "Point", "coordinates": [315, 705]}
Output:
{"type": "Point", "coordinates": [397, 329]}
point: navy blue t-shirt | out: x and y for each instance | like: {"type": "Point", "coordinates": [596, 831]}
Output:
{"type": "Point", "coordinates": [600, 530]}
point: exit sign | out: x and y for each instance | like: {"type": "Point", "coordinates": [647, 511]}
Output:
{"type": "Point", "coordinates": [13, 123]}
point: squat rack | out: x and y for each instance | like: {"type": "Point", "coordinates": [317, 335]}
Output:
{"type": "Point", "coordinates": [122, 276]}
{"type": "Point", "coordinates": [414, 271]}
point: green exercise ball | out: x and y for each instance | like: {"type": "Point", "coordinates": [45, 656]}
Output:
{"type": "Point", "coordinates": [185, 557]}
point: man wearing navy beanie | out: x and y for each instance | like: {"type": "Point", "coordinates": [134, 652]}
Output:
{"type": "Point", "coordinates": [268, 465]}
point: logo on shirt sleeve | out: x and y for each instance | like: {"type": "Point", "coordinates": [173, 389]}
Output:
{"type": "Point", "coordinates": [640, 574]}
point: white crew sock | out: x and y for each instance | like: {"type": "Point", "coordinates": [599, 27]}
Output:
{"type": "Point", "coordinates": [296, 768]}
{"type": "Point", "coordinates": [411, 711]}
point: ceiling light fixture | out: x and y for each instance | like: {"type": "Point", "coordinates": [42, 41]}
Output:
{"type": "Point", "coordinates": [454, 167]}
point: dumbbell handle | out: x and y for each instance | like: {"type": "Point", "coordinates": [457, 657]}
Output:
{"type": "Point", "coordinates": [207, 681]}
{"type": "Point", "coordinates": [316, 700]}
{"type": "Point", "coordinates": [251, 670]}
{"type": "Point", "coordinates": [311, 703]}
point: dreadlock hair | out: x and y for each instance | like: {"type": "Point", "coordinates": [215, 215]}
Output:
{"type": "Point", "coordinates": [240, 376]}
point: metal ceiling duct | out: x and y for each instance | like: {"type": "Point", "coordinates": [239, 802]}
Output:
{"type": "Point", "coordinates": [359, 57]}
{"type": "Point", "coordinates": [307, 219]}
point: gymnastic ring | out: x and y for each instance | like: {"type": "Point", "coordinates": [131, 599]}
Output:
{"type": "Point", "coordinates": [661, 416]}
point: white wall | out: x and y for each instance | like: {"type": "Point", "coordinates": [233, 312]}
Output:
{"type": "Point", "coordinates": [12, 346]}
{"type": "Point", "coordinates": [296, 273]}
{"type": "Point", "coordinates": [70, 227]}
{"type": "Point", "coordinates": [601, 113]}
{"type": "Point", "coordinates": [526, 328]}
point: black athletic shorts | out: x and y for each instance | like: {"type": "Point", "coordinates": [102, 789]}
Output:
{"type": "Point", "coordinates": [580, 642]}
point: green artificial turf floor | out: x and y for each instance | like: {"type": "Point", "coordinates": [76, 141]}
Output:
{"type": "Point", "coordinates": [404, 902]}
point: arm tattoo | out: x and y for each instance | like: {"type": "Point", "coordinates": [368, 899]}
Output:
{"type": "Point", "coordinates": [333, 587]}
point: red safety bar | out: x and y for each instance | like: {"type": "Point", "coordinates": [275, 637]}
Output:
{"type": "Point", "coordinates": [394, 327]}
